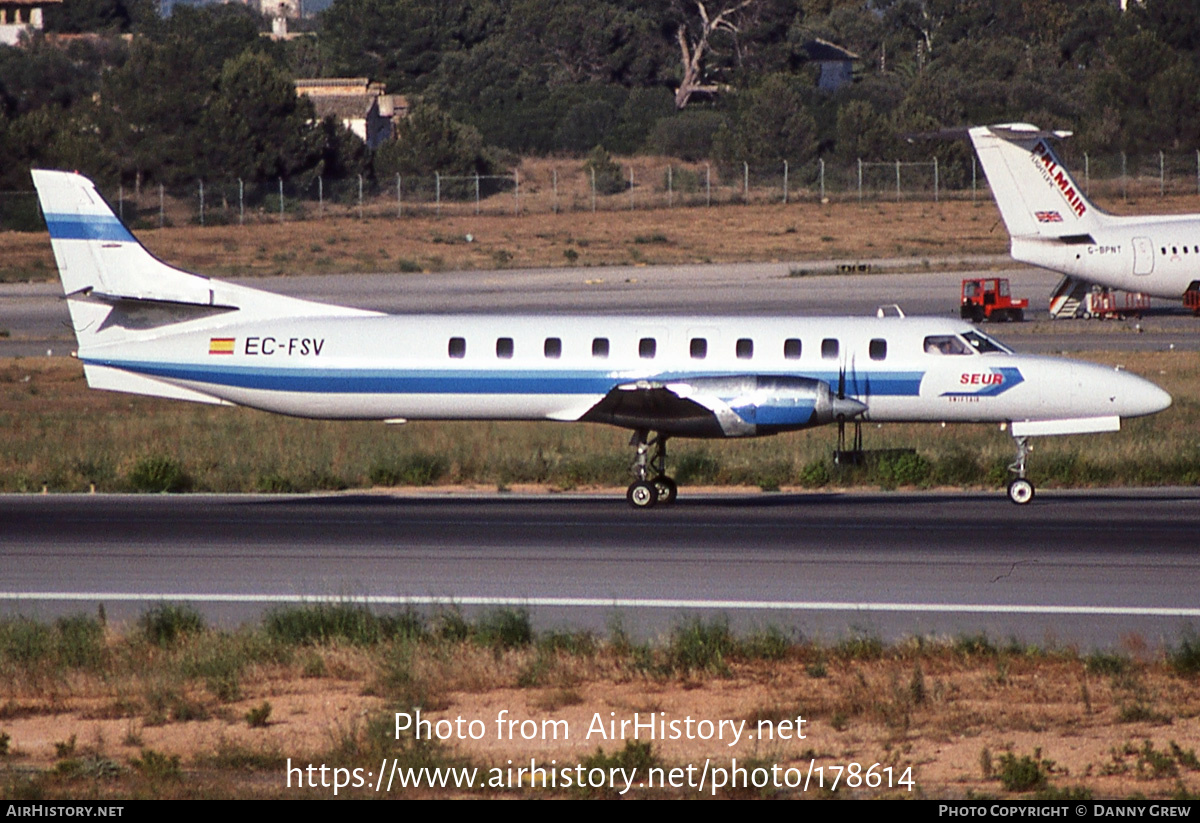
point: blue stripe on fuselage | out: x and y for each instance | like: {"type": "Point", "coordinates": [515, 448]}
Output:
{"type": "Point", "coordinates": [458, 381]}
{"type": "Point", "coordinates": [87, 227]}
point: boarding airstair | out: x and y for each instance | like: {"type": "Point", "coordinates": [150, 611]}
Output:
{"type": "Point", "coordinates": [1069, 299]}
{"type": "Point", "coordinates": [1075, 298]}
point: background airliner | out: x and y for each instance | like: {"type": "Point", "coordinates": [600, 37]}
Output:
{"type": "Point", "coordinates": [147, 328]}
{"type": "Point", "coordinates": [1053, 224]}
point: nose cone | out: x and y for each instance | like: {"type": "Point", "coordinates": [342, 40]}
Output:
{"type": "Point", "coordinates": [1139, 397]}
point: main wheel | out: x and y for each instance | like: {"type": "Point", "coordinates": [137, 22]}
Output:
{"type": "Point", "coordinates": [1020, 491]}
{"type": "Point", "coordinates": [642, 494]}
{"type": "Point", "coordinates": [667, 489]}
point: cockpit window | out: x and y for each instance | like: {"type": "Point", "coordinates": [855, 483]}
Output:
{"type": "Point", "coordinates": [946, 344]}
{"type": "Point", "coordinates": [984, 344]}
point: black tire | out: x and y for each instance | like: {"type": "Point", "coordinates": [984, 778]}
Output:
{"type": "Point", "coordinates": [668, 490]}
{"type": "Point", "coordinates": [1020, 491]}
{"type": "Point", "coordinates": [642, 495]}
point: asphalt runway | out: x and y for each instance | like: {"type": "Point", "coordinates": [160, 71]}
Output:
{"type": "Point", "coordinates": [35, 315]}
{"type": "Point", "coordinates": [1081, 568]}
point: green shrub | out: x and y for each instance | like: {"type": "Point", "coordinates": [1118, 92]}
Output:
{"type": "Point", "coordinates": [504, 629]}
{"type": "Point", "coordinates": [697, 468]}
{"type": "Point", "coordinates": [1185, 658]}
{"type": "Point", "coordinates": [165, 623]}
{"type": "Point", "coordinates": [324, 623]}
{"type": "Point", "coordinates": [609, 177]}
{"type": "Point", "coordinates": [1024, 773]}
{"type": "Point", "coordinates": [902, 469]}
{"type": "Point", "coordinates": [260, 716]}
{"type": "Point", "coordinates": [700, 646]}
{"type": "Point", "coordinates": [158, 473]}
{"type": "Point", "coordinates": [815, 475]}
{"type": "Point", "coordinates": [411, 470]}
{"type": "Point", "coordinates": [80, 641]}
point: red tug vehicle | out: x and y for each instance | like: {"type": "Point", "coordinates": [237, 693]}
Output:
{"type": "Point", "coordinates": [988, 298]}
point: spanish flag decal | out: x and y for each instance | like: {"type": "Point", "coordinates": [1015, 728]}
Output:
{"type": "Point", "coordinates": [221, 345]}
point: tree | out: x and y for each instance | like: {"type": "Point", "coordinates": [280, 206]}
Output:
{"type": "Point", "coordinates": [260, 128]}
{"type": "Point", "coordinates": [772, 124]}
{"type": "Point", "coordinates": [693, 49]}
{"type": "Point", "coordinates": [429, 140]}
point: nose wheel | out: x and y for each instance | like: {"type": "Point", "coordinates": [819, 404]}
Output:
{"type": "Point", "coordinates": [1020, 490]}
{"type": "Point", "coordinates": [652, 486]}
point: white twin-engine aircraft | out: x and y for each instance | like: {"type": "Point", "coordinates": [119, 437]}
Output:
{"type": "Point", "coordinates": [1053, 224]}
{"type": "Point", "coordinates": [147, 328]}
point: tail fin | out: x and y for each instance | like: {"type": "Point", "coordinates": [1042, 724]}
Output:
{"type": "Point", "coordinates": [118, 291]}
{"type": "Point", "coordinates": [96, 254]}
{"type": "Point", "coordinates": [1036, 195]}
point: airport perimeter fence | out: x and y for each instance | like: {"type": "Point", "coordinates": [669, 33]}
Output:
{"type": "Point", "coordinates": [546, 186]}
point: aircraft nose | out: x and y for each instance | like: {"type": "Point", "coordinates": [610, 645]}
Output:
{"type": "Point", "coordinates": [1138, 397]}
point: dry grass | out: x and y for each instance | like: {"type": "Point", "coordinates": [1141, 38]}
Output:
{"type": "Point", "coordinates": [729, 231]}
{"type": "Point", "coordinates": [959, 713]}
{"type": "Point", "coordinates": [430, 244]}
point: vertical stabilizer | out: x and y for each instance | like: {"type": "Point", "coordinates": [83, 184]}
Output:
{"type": "Point", "coordinates": [96, 253]}
{"type": "Point", "coordinates": [1036, 195]}
{"type": "Point", "coordinates": [118, 291]}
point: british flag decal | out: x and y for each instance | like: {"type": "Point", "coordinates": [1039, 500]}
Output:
{"type": "Point", "coordinates": [1048, 216]}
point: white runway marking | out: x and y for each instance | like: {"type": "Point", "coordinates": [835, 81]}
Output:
{"type": "Point", "coordinates": [607, 602]}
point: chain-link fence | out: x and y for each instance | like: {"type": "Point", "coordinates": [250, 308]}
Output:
{"type": "Point", "coordinates": [543, 187]}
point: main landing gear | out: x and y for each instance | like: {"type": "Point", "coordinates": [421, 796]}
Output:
{"type": "Point", "coordinates": [652, 485]}
{"type": "Point", "coordinates": [1020, 490]}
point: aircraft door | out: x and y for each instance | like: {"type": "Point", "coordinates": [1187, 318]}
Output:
{"type": "Point", "coordinates": [1143, 255]}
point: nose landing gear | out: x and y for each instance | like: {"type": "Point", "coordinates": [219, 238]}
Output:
{"type": "Point", "coordinates": [652, 485]}
{"type": "Point", "coordinates": [1020, 490]}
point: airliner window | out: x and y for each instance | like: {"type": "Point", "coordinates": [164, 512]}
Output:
{"type": "Point", "coordinates": [878, 349]}
{"type": "Point", "coordinates": [829, 348]}
{"type": "Point", "coordinates": [553, 348]}
{"type": "Point", "coordinates": [984, 344]}
{"type": "Point", "coordinates": [699, 348]}
{"type": "Point", "coordinates": [745, 348]}
{"type": "Point", "coordinates": [647, 347]}
{"type": "Point", "coordinates": [791, 348]}
{"type": "Point", "coordinates": [504, 348]}
{"type": "Point", "coordinates": [946, 344]}
{"type": "Point", "coordinates": [600, 347]}
{"type": "Point", "coordinates": [458, 347]}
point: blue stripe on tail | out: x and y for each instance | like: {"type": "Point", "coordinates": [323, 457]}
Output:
{"type": "Point", "coordinates": [87, 227]}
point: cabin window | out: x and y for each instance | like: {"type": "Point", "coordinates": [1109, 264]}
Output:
{"type": "Point", "coordinates": [647, 348]}
{"type": "Point", "coordinates": [829, 348]}
{"type": "Point", "coordinates": [504, 348]}
{"type": "Point", "coordinates": [946, 344]}
{"type": "Point", "coordinates": [600, 347]}
{"type": "Point", "coordinates": [553, 348]}
{"type": "Point", "coordinates": [791, 348]}
{"type": "Point", "coordinates": [699, 348]}
{"type": "Point", "coordinates": [458, 347]}
{"type": "Point", "coordinates": [745, 348]}
{"type": "Point", "coordinates": [878, 349]}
